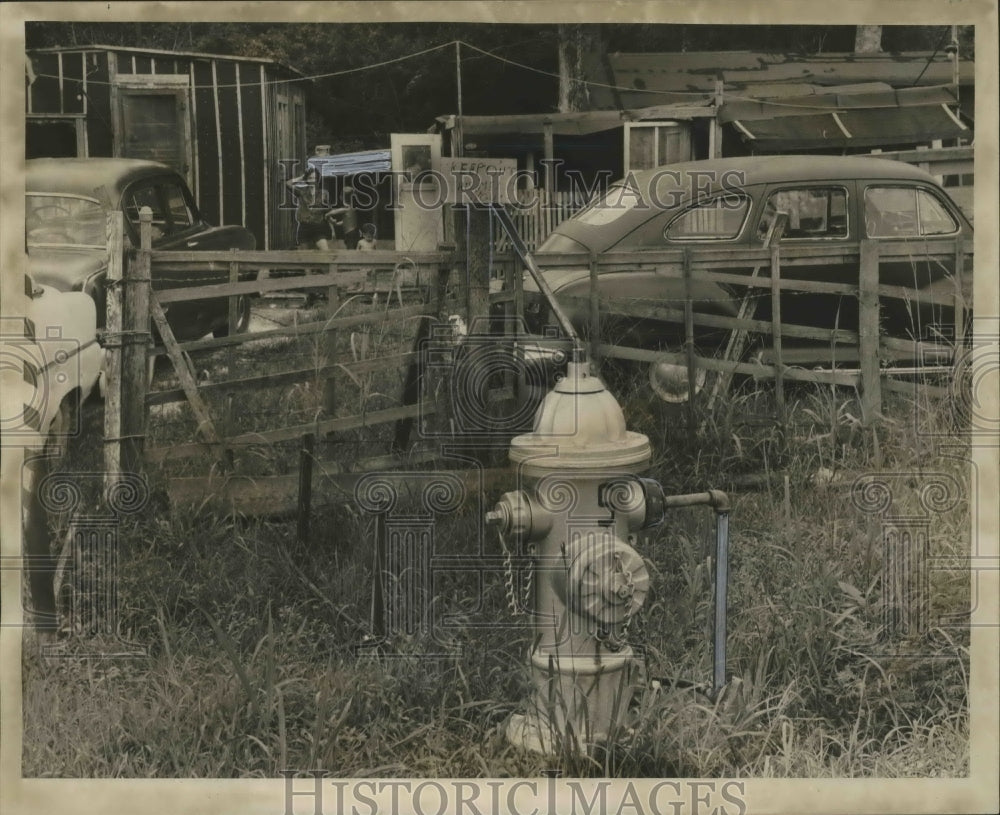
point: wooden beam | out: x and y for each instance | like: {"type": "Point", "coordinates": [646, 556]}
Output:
{"type": "Point", "coordinates": [206, 429]}
{"type": "Point", "coordinates": [304, 329]}
{"type": "Point", "coordinates": [550, 182]}
{"type": "Point", "coordinates": [757, 370]}
{"type": "Point", "coordinates": [114, 235]}
{"type": "Point", "coordinates": [165, 397]}
{"type": "Point", "coordinates": [136, 340]}
{"type": "Point", "coordinates": [868, 333]}
{"type": "Point", "coordinates": [283, 434]}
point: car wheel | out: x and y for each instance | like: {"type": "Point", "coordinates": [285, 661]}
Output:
{"type": "Point", "coordinates": [242, 319]}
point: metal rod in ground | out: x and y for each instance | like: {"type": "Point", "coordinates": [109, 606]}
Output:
{"type": "Point", "coordinates": [378, 570]}
{"type": "Point", "coordinates": [305, 486]}
{"type": "Point", "coordinates": [721, 588]}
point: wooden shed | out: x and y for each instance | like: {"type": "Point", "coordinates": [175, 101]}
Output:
{"type": "Point", "coordinates": [226, 123]}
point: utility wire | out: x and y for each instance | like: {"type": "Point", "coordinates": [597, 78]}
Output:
{"type": "Point", "coordinates": [348, 71]}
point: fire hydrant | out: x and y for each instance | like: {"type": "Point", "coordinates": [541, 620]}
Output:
{"type": "Point", "coordinates": [578, 513]}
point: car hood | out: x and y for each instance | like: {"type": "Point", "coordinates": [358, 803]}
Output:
{"type": "Point", "coordinates": [64, 268]}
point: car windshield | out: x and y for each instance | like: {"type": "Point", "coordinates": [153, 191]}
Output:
{"type": "Point", "coordinates": [63, 220]}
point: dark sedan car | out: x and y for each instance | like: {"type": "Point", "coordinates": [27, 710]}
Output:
{"type": "Point", "coordinates": [732, 203]}
{"type": "Point", "coordinates": [66, 202]}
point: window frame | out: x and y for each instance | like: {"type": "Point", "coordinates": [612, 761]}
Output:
{"type": "Point", "coordinates": [699, 204]}
{"type": "Point", "coordinates": [915, 188]}
{"type": "Point", "coordinates": [158, 183]}
{"type": "Point", "coordinates": [825, 185]}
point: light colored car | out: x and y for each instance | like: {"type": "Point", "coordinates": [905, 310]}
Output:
{"type": "Point", "coordinates": [52, 361]}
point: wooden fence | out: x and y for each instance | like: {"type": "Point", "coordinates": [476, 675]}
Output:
{"type": "Point", "coordinates": [410, 293]}
{"type": "Point", "coordinates": [850, 356]}
{"type": "Point", "coordinates": [855, 357]}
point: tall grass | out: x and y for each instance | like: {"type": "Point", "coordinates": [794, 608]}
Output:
{"type": "Point", "coordinates": [259, 656]}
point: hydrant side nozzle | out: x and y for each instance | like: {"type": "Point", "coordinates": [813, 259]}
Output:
{"type": "Point", "coordinates": [656, 510]}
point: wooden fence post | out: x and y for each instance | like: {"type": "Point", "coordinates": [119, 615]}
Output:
{"type": "Point", "coordinates": [960, 303]}
{"type": "Point", "coordinates": [234, 299]}
{"type": "Point", "coordinates": [330, 345]}
{"type": "Point", "coordinates": [868, 332]}
{"type": "Point", "coordinates": [692, 367]}
{"type": "Point", "coordinates": [478, 254]}
{"type": "Point", "coordinates": [115, 234]}
{"type": "Point", "coordinates": [135, 346]}
{"type": "Point", "coordinates": [779, 368]}
{"type": "Point", "coordinates": [305, 487]}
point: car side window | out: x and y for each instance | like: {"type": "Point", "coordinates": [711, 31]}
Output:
{"type": "Point", "coordinates": [720, 218]}
{"type": "Point", "coordinates": [813, 212]}
{"type": "Point", "coordinates": [905, 212]}
{"type": "Point", "coordinates": [166, 199]}
{"type": "Point", "coordinates": [181, 217]}
{"type": "Point", "coordinates": [146, 196]}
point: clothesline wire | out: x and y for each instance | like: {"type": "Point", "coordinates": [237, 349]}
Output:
{"type": "Point", "coordinates": [384, 63]}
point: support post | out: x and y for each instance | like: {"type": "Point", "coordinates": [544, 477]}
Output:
{"type": "Point", "coordinates": [135, 346]}
{"type": "Point", "coordinates": [721, 601]}
{"type": "Point", "coordinates": [714, 128]}
{"type": "Point", "coordinates": [330, 345]}
{"type": "Point", "coordinates": [234, 299]}
{"type": "Point", "coordinates": [779, 366]}
{"type": "Point", "coordinates": [960, 303]}
{"type": "Point", "coordinates": [692, 368]}
{"type": "Point", "coordinates": [549, 169]}
{"type": "Point", "coordinates": [868, 333]}
{"type": "Point", "coordinates": [305, 487]}
{"type": "Point", "coordinates": [113, 362]}
{"type": "Point", "coordinates": [478, 268]}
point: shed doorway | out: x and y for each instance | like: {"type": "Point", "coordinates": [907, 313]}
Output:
{"type": "Point", "coordinates": [155, 122]}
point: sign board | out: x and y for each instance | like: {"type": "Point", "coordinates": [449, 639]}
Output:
{"type": "Point", "coordinates": [476, 180]}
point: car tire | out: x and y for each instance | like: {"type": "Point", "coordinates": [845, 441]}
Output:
{"type": "Point", "coordinates": [60, 429]}
{"type": "Point", "coordinates": [242, 319]}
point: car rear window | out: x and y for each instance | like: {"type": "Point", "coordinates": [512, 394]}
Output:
{"type": "Point", "coordinates": [608, 208]}
{"type": "Point", "coordinates": [719, 218]}
{"type": "Point", "coordinates": [906, 212]}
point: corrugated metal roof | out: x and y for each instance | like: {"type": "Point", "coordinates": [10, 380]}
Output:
{"type": "Point", "coordinates": [645, 78]}
{"type": "Point", "coordinates": [364, 161]}
{"type": "Point", "coordinates": [865, 119]}
{"type": "Point", "coordinates": [865, 127]}
{"type": "Point", "coordinates": [870, 98]}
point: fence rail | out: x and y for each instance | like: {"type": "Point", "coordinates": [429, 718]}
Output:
{"type": "Point", "coordinates": [849, 356]}
{"type": "Point", "coordinates": [864, 346]}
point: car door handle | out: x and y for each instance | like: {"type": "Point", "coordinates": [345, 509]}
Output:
{"type": "Point", "coordinates": [192, 243]}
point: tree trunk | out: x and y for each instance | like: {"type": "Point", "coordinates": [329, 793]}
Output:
{"type": "Point", "coordinates": [867, 39]}
{"type": "Point", "coordinates": [576, 41]}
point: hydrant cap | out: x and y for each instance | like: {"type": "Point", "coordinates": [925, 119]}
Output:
{"type": "Point", "coordinates": [580, 425]}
